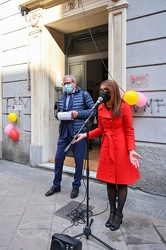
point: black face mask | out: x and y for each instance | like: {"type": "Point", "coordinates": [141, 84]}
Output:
{"type": "Point", "coordinates": [105, 95]}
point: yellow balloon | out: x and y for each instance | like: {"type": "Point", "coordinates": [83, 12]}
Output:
{"type": "Point", "coordinates": [12, 117]}
{"type": "Point", "coordinates": [131, 97]}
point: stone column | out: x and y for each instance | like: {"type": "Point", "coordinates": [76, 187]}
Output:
{"type": "Point", "coordinates": [117, 41]}
{"type": "Point", "coordinates": [38, 49]}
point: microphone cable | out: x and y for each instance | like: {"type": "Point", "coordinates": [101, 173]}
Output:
{"type": "Point", "coordinates": [97, 47]}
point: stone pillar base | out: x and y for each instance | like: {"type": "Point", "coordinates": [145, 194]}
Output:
{"type": "Point", "coordinates": [36, 153]}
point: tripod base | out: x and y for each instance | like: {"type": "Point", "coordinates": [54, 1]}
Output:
{"type": "Point", "coordinates": [87, 233]}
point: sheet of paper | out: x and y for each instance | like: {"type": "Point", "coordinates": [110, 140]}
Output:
{"type": "Point", "coordinates": [64, 115]}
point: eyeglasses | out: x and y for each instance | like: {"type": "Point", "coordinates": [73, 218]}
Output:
{"type": "Point", "coordinates": [105, 90]}
{"type": "Point", "coordinates": [64, 83]}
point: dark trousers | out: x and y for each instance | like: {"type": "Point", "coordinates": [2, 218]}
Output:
{"type": "Point", "coordinates": [78, 154]}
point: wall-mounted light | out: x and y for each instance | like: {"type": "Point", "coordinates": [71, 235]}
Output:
{"type": "Point", "coordinates": [24, 11]}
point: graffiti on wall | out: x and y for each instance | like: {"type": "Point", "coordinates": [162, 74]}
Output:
{"type": "Point", "coordinates": [16, 103]}
{"type": "Point", "coordinates": [155, 105]}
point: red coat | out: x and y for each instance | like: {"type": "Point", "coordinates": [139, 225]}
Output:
{"type": "Point", "coordinates": [117, 139]}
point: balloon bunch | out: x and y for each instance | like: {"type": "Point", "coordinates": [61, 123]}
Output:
{"type": "Point", "coordinates": [132, 97]}
{"type": "Point", "coordinates": [9, 129]}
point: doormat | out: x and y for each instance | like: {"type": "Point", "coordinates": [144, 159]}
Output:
{"type": "Point", "coordinates": [75, 211]}
{"type": "Point", "coordinates": [93, 159]}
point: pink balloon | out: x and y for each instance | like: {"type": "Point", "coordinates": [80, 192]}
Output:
{"type": "Point", "coordinates": [8, 128]}
{"type": "Point", "coordinates": [142, 99]}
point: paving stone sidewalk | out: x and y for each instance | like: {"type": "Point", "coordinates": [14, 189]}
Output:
{"type": "Point", "coordinates": [28, 218]}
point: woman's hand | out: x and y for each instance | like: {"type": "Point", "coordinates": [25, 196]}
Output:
{"type": "Point", "coordinates": [79, 138]}
{"type": "Point", "coordinates": [134, 158]}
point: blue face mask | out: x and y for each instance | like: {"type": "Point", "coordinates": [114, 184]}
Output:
{"type": "Point", "coordinates": [68, 88]}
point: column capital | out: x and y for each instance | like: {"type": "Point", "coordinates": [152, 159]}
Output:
{"type": "Point", "coordinates": [35, 20]}
{"type": "Point", "coordinates": [117, 4]}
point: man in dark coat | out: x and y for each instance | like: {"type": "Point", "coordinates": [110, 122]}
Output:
{"type": "Point", "coordinates": [75, 105]}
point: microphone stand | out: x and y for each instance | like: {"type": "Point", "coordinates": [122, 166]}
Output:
{"type": "Point", "coordinates": [87, 230]}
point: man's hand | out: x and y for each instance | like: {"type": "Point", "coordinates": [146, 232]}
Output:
{"type": "Point", "coordinates": [74, 114]}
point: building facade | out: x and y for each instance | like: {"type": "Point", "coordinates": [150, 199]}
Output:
{"type": "Point", "coordinates": [41, 41]}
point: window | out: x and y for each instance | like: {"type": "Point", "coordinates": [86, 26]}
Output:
{"type": "Point", "coordinates": [82, 43]}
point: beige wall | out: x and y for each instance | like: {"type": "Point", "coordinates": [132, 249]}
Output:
{"type": "Point", "coordinates": [43, 55]}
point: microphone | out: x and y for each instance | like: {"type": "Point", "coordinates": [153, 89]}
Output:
{"type": "Point", "coordinates": [99, 100]}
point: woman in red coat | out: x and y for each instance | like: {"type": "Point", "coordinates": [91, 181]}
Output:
{"type": "Point", "coordinates": [118, 162]}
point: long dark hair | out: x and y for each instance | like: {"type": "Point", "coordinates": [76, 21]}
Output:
{"type": "Point", "coordinates": [115, 96]}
